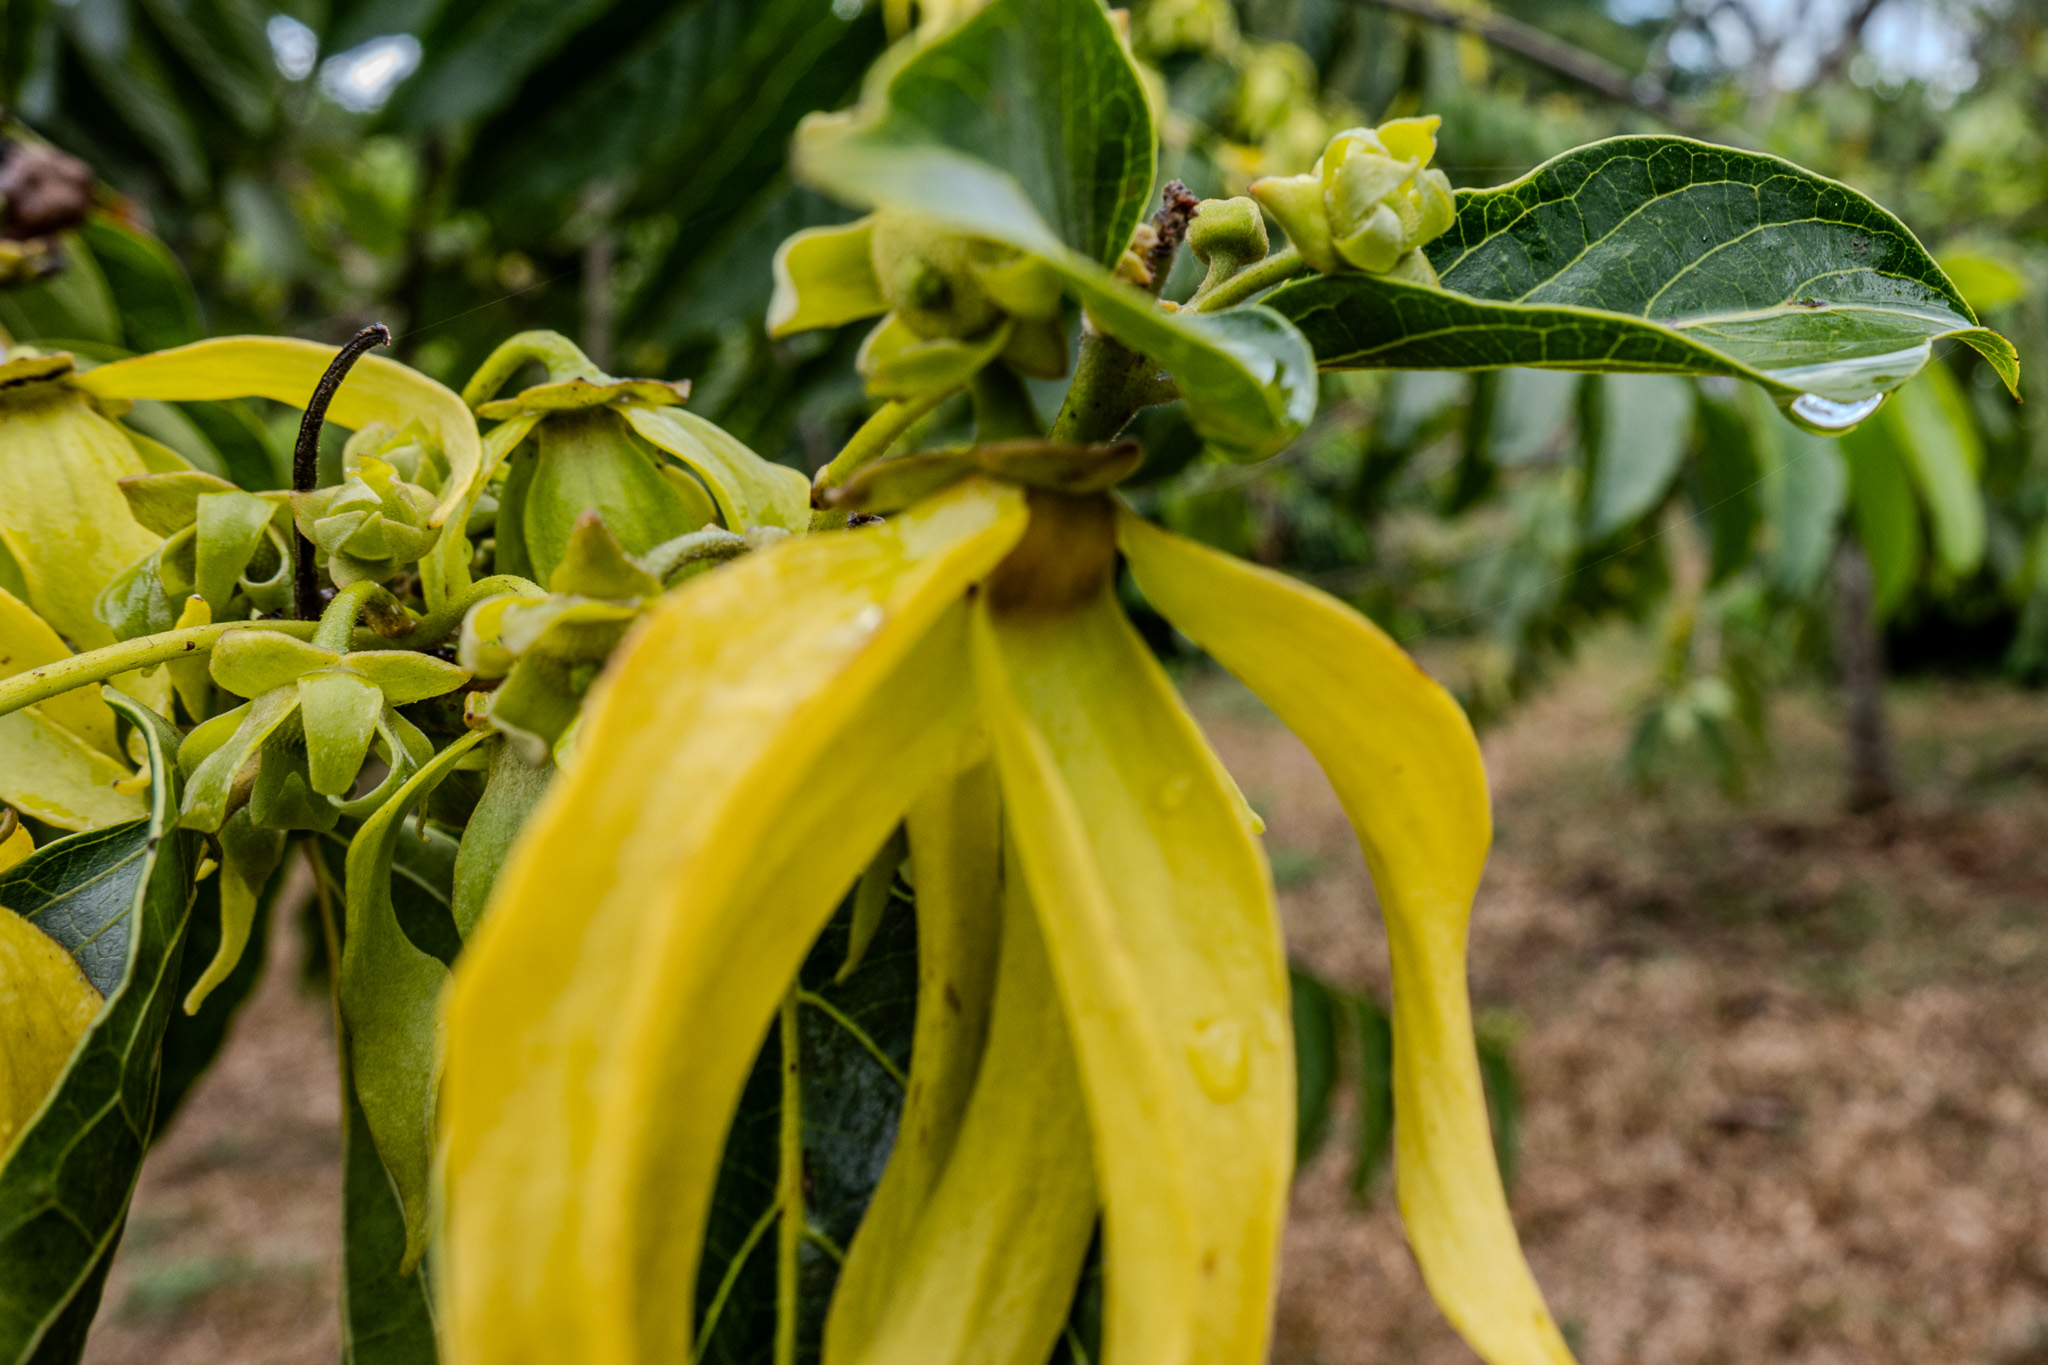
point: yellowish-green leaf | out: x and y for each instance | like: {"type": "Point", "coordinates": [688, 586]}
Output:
{"type": "Point", "coordinates": [286, 370]}
{"type": "Point", "coordinates": [26, 641]}
{"type": "Point", "coordinates": [1158, 916]}
{"type": "Point", "coordinates": [1406, 768]}
{"type": "Point", "coordinates": [752, 744]}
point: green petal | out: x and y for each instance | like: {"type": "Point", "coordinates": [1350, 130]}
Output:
{"type": "Point", "coordinates": [898, 363]}
{"type": "Point", "coordinates": [1406, 767]}
{"type": "Point", "coordinates": [231, 528]}
{"type": "Point", "coordinates": [208, 794]}
{"type": "Point", "coordinates": [286, 370]}
{"type": "Point", "coordinates": [825, 277]}
{"type": "Point", "coordinates": [168, 503]}
{"type": "Point", "coordinates": [340, 713]}
{"type": "Point", "coordinates": [750, 490]}
{"type": "Point", "coordinates": [1158, 915]}
{"type": "Point", "coordinates": [248, 856]}
{"type": "Point", "coordinates": [752, 746]}
{"type": "Point", "coordinates": [252, 663]}
{"type": "Point", "coordinates": [404, 676]}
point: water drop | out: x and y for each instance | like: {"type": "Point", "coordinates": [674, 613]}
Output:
{"type": "Point", "coordinates": [1220, 1060]}
{"type": "Point", "coordinates": [869, 621]}
{"type": "Point", "coordinates": [1827, 416]}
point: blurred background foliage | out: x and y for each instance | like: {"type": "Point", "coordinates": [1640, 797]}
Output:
{"type": "Point", "coordinates": [464, 169]}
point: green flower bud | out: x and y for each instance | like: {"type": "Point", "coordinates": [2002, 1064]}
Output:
{"type": "Point", "coordinates": [375, 522]}
{"type": "Point", "coordinates": [1369, 203]}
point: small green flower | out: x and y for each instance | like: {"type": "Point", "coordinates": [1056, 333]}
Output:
{"type": "Point", "coordinates": [951, 304]}
{"type": "Point", "coordinates": [1368, 203]}
{"type": "Point", "coordinates": [378, 521]}
{"type": "Point", "coordinates": [625, 449]}
{"type": "Point", "coordinates": [228, 547]}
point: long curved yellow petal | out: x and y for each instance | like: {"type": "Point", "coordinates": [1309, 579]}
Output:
{"type": "Point", "coordinates": [1406, 767]}
{"type": "Point", "coordinates": [1159, 919]}
{"type": "Point", "coordinates": [285, 370]}
{"type": "Point", "coordinates": [987, 1273]}
{"type": "Point", "coordinates": [955, 832]}
{"type": "Point", "coordinates": [748, 749]}
{"type": "Point", "coordinates": [46, 1005]}
{"type": "Point", "coordinates": [63, 519]}
{"type": "Point", "coordinates": [26, 641]}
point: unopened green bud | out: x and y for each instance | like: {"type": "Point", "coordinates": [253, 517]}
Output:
{"type": "Point", "coordinates": [1369, 204]}
{"type": "Point", "coordinates": [1227, 235]}
{"type": "Point", "coordinates": [369, 527]}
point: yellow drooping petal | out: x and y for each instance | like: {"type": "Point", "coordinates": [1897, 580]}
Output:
{"type": "Point", "coordinates": [745, 754]}
{"type": "Point", "coordinates": [1159, 919]}
{"type": "Point", "coordinates": [16, 847]}
{"type": "Point", "coordinates": [825, 277]}
{"type": "Point", "coordinates": [63, 519]}
{"type": "Point", "coordinates": [48, 772]}
{"type": "Point", "coordinates": [986, 1272]}
{"type": "Point", "coordinates": [46, 1005]}
{"type": "Point", "coordinates": [26, 641]}
{"type": "Point", "coordinates": [1406, 767]}
{"type": "Point", "coordinates": [955, 834]}
{"type": "Point", "coordinates": [286, 370]}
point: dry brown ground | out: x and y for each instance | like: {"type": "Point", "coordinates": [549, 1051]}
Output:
{"type": "Point", "coordinates": [1784, 1073]}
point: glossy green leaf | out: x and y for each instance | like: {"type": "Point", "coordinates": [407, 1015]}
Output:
{"type": "Point", "coordinates": [1029, 125]}
{"type": "Point", "coordinates": [1640, 431]}
{"type": "Point", "coordinates": [119, 900]}
{"type": "Point", "coordinates": [854, 1048]}
{"type": "Point", "coordinates": [1662, 254]}
{"type": "Point", "coordinates": [387, 1317]}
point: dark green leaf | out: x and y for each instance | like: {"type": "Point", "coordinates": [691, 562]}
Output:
{"type": "Point", "coordinates": [1662, 254]}
{"type": "Point", "coordinates": [1805, 486]}
{"type": "Point", "coordinates": [855, 1050]}
{"type": "Point", "coordinates": [481, 53]}
{"type": "Point", "coordinates": [64, 1191]}
{"type": "Point", "coordinates": [1375, 1142]}
{"type": "Point", "coordinates": [1315, 1062]}
{"type": "Point", "coordinates": [386, 1318]}
{"type": "Point", "coordinates": [1503, 1095]}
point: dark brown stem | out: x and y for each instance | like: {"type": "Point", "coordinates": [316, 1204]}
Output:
{"type": "Point", "coordinates": [306, 460]}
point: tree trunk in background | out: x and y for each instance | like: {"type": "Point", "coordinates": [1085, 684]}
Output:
{"type": "Point", "coordinates": [1859, 658]}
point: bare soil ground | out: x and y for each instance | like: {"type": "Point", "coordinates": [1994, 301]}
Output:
{"type": "Point", "coordinates": [1784, 1072]}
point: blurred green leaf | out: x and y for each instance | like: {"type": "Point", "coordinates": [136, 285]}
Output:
{"type": "Point", "coordinates": [1375, 1138]}
{"type": "Point", "coordinates": [1640, 430]}
{"type": "Point", "coordinates": [1729, 482]}
{"type": "Point", "coordinates": [1930, 422]}
{"type": "Point", "coordinates": [157, 307]}
{"type": "Point", "coordinates": [1315, 1061]}
{"type": "Point", "coordinates": [1887, 518]}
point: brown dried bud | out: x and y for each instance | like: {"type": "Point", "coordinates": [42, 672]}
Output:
{"type": "Point", "coordinates": [45, 191]}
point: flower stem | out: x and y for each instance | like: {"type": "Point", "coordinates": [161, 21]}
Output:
{"type": "Point", "coordinates": [1278, 268]}
{"type": "Point", "coordinates": [789, 1192]}
{"type": "Point", "coordinates": [338, 622]}
{"type": "Point", "coordinates": [875, 437]}
{"type": "Point", "coordinates": [306, 459]}
{"type": "Point", "coordinates": [82, 670]}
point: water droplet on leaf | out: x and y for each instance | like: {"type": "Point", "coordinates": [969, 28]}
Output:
{"type": "Point", "coordinates": [1219, 1058]}
{"type": "Point", "coordinates": [1828, 417]}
